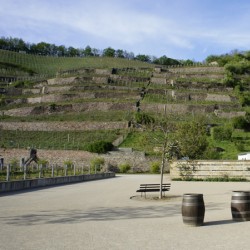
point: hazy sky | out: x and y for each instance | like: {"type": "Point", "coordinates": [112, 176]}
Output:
{"type": "Point", "coordinates": [181, 29]}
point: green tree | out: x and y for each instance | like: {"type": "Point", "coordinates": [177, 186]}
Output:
{"type": "Point", "coordinates": [88, 51]}
{"type": "Point", "coordinates": [143, 58]}
{"type": "Point", "coordinates": [164, 60]}
{"type": "Point", "coordinates": [73, 52]}
{"type": "Point", "coordinates": [61, 50]}
{"type": "Point", "coordinates": [109, 52]}
{"type": "Point", "coordinates": [192, 139]}
{"type": "Point", "coordinates": [119, 53]}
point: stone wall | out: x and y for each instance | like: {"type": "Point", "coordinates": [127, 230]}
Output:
{"type": "Point", "coordinates": [11, 186]}
{"type": "Point", "coordinates": [177, 108]}
{"type": "Point", "coordinates": [62, 126]}
{"type": "Point", "coordinates": [197, 69]}
{"type": "Point", "coordinates": [210, 169]}
{"type": "Point", "coordinates": [189, 96]}
{"type": "Point", "coordinates": [109, 106]}
{"type": "Point", "coordinates": [62, 81]}
{"type": "Point", "coordinates": [158, 80]}
{"type": "Point", "coordinates": [229, 115]}
{"type": "Point", "coordinates": [137, 160]}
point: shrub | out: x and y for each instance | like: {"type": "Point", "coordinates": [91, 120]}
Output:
{"type": "Point", "coordinates": [222, 133]}
{"type": "Point", "coordinates": [14, 163]}
{"type": "Point", "coordinates": [100, 147]}
{"type": "Point", "coordinates": [68, 163]}
{"type": "Point", "coordinates": [155, 167]}
{"type": "Point", "coordinates": [43, 162]}
{"type": "Point", "coordinates": [143, 118]}
{"type": "Point", "coordinates": [240, 122]}
{"type": "Point", "coordinates": [211, 154]}
{"type": "Point", "coordinates": [124, 168]}
{"type": "Point", "coordinates": [112, 168]}
{"type": "Point", "coordinates": [240, 146]}
{"type": "Point", "coordinates": [96, 163]}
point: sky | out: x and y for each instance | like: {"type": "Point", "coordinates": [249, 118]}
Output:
{"type": "Point", "coordinates": [180, 29]}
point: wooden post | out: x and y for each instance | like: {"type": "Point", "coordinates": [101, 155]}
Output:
{"type": "Point", "coordinates": [40, 167]}
{"type": "Point", "coordinates": [52, 171]}
{"type": "Point", "coordinates": [22, 160]}
{"type": "Point", "coordinates": [8, 173]}
{"type": "Point", "coordinates": [1, 163]}
{"type": "Point", "coordinates": [24, 171]}
{"type": "Point", "coordinates": [65, 170]}
{"type": "Point", "coordinates": [74, 169]}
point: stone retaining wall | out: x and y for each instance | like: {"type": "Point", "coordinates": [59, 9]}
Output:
{"type": "Point", "coordinates": [45, 182]}
{"type": "Point", "coordinates": [62, 126]}
{"type": "Point", "coordinates": [197, 69]}
{"type": "Point", "coordinates": [137, 160]}
{"type": "Point", "coordinates": [210, 169]}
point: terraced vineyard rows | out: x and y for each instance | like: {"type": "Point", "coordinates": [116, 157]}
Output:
{"type": "Point", "coordinates": [106, 91]}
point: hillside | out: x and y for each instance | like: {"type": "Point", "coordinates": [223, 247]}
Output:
{"type": "Point", "coordinates": [18, 66]}
{"type": "Point", "coordinates": [66, 103]}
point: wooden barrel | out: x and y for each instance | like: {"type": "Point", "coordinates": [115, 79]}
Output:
{"type": "Point", "coordinates": [240, 205]}
{"type": "Point", "coordinates": [193, 209]}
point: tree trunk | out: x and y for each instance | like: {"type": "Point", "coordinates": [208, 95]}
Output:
{"type": "Point", "coordinates": [162, 166]}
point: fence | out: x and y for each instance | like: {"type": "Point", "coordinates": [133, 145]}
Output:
{"type": "Point", "coordinates": [44, 182]}
{"type": "Point", "coordinates": [33, 171]}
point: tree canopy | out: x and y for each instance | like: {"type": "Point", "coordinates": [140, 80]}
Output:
{"type": "Point", "coordinates": [191, 137]}
{"type": "Point", "coordinates": [47, 49]}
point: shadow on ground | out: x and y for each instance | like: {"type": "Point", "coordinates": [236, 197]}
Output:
{"type": "Point", "coordinates": [69, 216]}
{"type": "Point", "coordinates": [96, 214]}
{"type": "Point", "coordinates": [219, 222]}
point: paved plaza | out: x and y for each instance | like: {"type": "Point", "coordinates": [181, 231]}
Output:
{"type": "Point", "coordinates": [109, 214]}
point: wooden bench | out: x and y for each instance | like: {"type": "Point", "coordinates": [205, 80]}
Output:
{"type": "Point", "coordinates": [144, 188]}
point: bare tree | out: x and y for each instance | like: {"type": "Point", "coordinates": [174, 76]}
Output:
{"type": "Point", "coordinates": [169, 147]}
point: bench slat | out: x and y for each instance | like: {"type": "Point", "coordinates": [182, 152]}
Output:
{"type": "Point", "coordinates": [144, 188]}
{"type": "Point", "coordinates": [151, 190]}
{"type": "Point", "coordinates": [155, 184]}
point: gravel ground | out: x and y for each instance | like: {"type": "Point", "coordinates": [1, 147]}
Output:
{"type": "Point", "coordinates": [109, 214]}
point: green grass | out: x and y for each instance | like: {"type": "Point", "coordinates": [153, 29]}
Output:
{"type": "Point", "coordinates": [47, 65]}
{"type": "Point", "coordinates": [71, 140]}
{"type": "Point", "coordinates": [239, 143]}
{"type": "Point", "coordinates": [110, 116]}
{"type": "Point", "coordinates": [135, 77]}
{"type": "Point", "coordinates": [143, 141]}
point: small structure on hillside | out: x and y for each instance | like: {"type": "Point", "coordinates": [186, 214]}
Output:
{"type": "Point", "coordinates": [244, 156]}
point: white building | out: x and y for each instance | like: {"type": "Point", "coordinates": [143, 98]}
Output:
{"type": "Point", "coordinates": [244, 156]}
